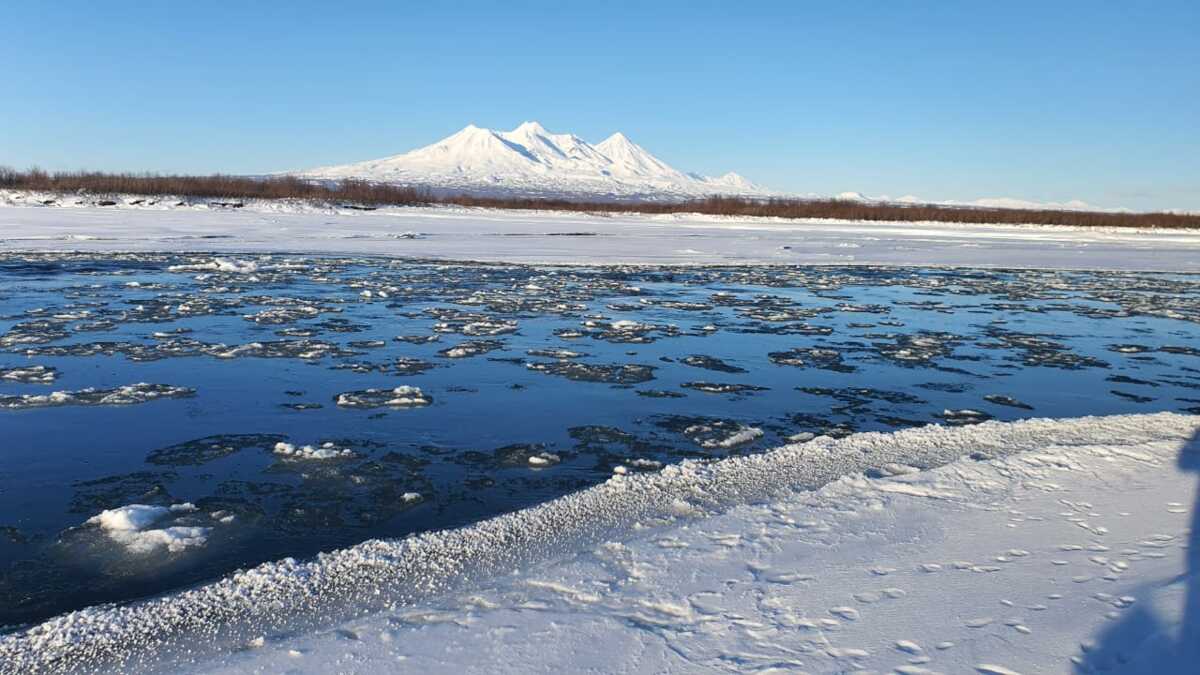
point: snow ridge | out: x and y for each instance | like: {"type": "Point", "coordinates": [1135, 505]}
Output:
{"type": "Point", "coordinates": [530, 160]}
{"type": "Point", "coordinates": [378, 575]}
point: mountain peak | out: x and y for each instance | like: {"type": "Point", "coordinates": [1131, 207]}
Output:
{"type": "Point", "coordinates": [530, 127]}
{"type": "Point", "coordinates": [531, 160]}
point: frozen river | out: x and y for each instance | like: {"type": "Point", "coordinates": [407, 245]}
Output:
{"type": "Point", "coordinates": [263, 406]}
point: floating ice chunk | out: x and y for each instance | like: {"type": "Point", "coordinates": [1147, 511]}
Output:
{"type": "Point", "coordinates": [629, 373]}
{"type": "Point", "coordinates": [407, 396]}
{"type": "Point", "coordinates": [124, 395]}
{"type": "Point", "coordinates": [418, 339]}
{"type": "Point", "coordinates": [30, 374]}
{"type": "Point", "coordinates": [219, 265]}
{"type": "Point", "coordinates": [482, 326]}
{"type": "Point", "coordinates": [175, 539]}
{"type": "Point", "coordinates": [235, 266]}
{"type": "Point", "coordinates": [722, 434]}
{"type": "Point", "coordinates": [1001, 399]}
{"type": "Point", "coordinates": [722, 387]}
{"type": "Point", "coordinates": [128, 525]}
{"type": "Point", "coordinates": [628, 325]}
{"type": "Point", "coordinates": [401, 397]}
{"type": "Point", "coordinates": [710, 363]}
{"type": "Point", "coordinates": [132, 517]}
{"type": "Point", "coordinates": [543, 459]}
{"type": "Point", "coordinates": [223, 516]}
{"type": "Point", "coordinates": [308, 452]}
{"type": "Point", "coordinates": [472, 348]}
{"type": "Point", "coordinates": [240, 350]}
{"type": "Point", "coordinates": [555, 353]}
{"type": "Point", "coordinates": [964, 416]}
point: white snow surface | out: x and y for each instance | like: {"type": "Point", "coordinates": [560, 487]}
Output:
{"type": "Point", "coordinates": [789, 561]}
{"type": "Point", "coordinates": [451, 233]}
{"type": "Point", "coordinates": [530, 160]}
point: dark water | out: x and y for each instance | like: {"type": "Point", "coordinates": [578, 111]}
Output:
{"type": "Point", "coordinates": [711, 361]}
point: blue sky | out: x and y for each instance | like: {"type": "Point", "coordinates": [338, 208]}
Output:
{"type": "Point", "coordinates": [1075, 100]}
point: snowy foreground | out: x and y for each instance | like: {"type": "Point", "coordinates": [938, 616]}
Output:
{"type": "Point", "coordinates": [1067, 556]}
{"type": "Point", "coordinates": [1033, 546]}
{"type": "Point", "coordinates": [557, 237]}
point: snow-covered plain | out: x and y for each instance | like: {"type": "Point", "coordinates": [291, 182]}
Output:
{"type": "Point", "coordinates": [573, 238]}
{"type": "Point", "coordinates": [864, 553]}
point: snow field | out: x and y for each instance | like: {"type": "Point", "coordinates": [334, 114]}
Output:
{"type": "Point", "coordinates": [535, 237]}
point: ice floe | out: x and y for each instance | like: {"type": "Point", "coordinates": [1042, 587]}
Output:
{"type": "Point", "coordinates": [403, 396]}
{"type": "Point", "coordinates": [129, 394]}
{"type": "Point", "coordinates": [327, 450]}
{"type": "Point", "coordinates": [30, 374]}
{"type": "Point", "coordinates": [229, 265]}
{"type": "Point", "coordinates": [130, 526]}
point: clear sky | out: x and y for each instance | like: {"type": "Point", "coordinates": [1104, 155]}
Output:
{"type": "Point", "coordinates": [1049, 101]}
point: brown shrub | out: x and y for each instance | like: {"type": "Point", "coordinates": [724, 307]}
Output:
{"type": "Point", "coordinates": [360, 192]}
{"type": "Point", "coordinates": [212, 187]}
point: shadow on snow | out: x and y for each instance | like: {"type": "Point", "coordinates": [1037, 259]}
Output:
{"type": "Point", "coordinates": [1142, 642]}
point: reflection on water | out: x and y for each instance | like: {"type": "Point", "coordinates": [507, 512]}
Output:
{"type": "Point", "coordinates": [286, 405]}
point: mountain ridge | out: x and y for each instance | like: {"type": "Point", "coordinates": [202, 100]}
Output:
{"type": "Point", "coordinates": [530, 160]}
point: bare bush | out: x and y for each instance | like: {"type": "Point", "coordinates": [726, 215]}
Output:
{"type": "Point", "coordinates": [369, 194]}
{"type": "Point", "coordinates": [213, 187]}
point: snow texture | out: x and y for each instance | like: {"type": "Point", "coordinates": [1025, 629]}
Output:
{"type": "Point", "coordinates": [791, 560]}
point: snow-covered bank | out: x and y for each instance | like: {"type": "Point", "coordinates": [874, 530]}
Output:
{"type": "Point", "coordinates": [1069, 556]}
{"type": "Point", "coordinates": [571, 238]}
{"type": "Point", "coordinates": [679, 594]}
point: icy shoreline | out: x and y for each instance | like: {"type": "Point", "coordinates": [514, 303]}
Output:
{"type": "Point", "coordinates": [547, 237]}
{"type": "Point", "coordinates": [1069, 558]}
{"type": "Point", "coordinates": [289, 596]}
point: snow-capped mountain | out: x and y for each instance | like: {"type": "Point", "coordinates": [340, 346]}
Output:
{"type": "Point", "coordinates": [982, 203]}
{"type": "Point", "coordinates": [529, 160]}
